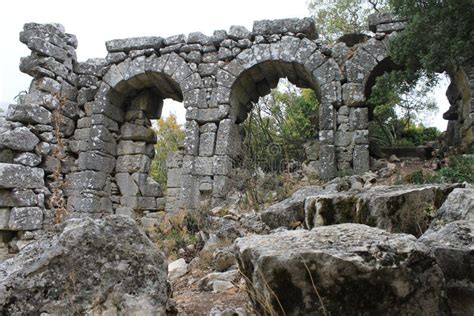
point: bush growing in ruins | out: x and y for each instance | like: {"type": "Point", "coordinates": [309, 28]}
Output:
{"type": "Point", "coordinates": [170, 135]}
{"type": "Point", "coordinates": [338, 17]}
{"type": "Point", "coordinates": [397, 109]}
{"type": "Point", "coordinates": [277, 127]}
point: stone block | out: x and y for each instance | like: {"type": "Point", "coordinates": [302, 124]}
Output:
{"type": "Point", "coordinates": [359, 118]}
{"type": "Point", "coordinates": [4, 218]}
{"type": "Point", "coordinates": [146, 203]}
{"type": "Point", "coordinates": [223, 165]}
{"type": "Point", "coordinates": [204, 166]}
{"type": "Point", "coordinates": [360, 161]}
{"type": "Point", "coordinates": [28, 113]}
{"type": "Point", "coordinates": [126, 184]}
{"type": "Point", "coordinates": [237, 32]}
{"type": "Point", "coordinates": [18, 176]}
{"type": "Point", "coordinates": [86, 180]}
{"type": "Point", "coordinates": [327, 161]}
{"type": "Point", "coordinates": [10, 198]}
{"type": "Point", "coordinates": [282, 26]}
{"type": "Point", "coordinates": [134, 43]}
{"type": "Point", "coordinates": [44, 48]}
{"type": "Point", "coordinates": [191, 140]}
{"type": "Point", "coordinates": [128, 147]}
{"type": "Point", "coordinates": [25, 218]}
{"type": "Point", "coordinates": [174, 178]}
{"type": "Point", "coordinates": [89, 204]}
{"type": "Point", "coordinates": [28, 159]}
{"type": "Point", "coordinates": [147, 185]}
{"type": "Point", "coordinates": [133, 163]}
{"type": "Point", "coordinates": [137, 133]}
{"type": "Point", "coordinates": [343, 139]}
{"type": "Point", "coordinates": [326, 116]}
{"type": "Point", "coordinates": [353, 94]}
{"type": "Point", "coordinates": [361, 137]}
{"type": "Point", "coordinates": [95, 161]}
{"type": "Point", "coordinates": [206, 144]}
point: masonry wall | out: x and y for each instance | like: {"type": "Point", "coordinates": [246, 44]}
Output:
{"type": "Point", "coordinates": [103, 109]}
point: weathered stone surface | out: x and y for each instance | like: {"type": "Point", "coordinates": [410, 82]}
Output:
{"type": "Point", "coordinates": [95, 161]}
{"type": "Point", "coordinates": [290, 211]}
{"type": "Point", "coordinates": [129, 44]}
{"type": "Point", "coordinates": [25, 218]}
{"type": "Point", "coordinates": [453, 246]}
{"type": "Point", "coordinates": [18, 198]}
{"type": "Point", "coordinates": [177, 269]}
{"type": "Point", "coordinates": [238, 32]}
{"type": "Point", "coordinates": [20, 138]}
{"type": "Point", "coordinates": [138, 133]}
{"type": "Point", "coordinates": [28, 159]}
{"type": "Point", "coordinates": [395, 209]}
{"type": "Point", "coordinates": [132, 273]}
{"type": "Point", "coordinates": [18, 176]}
{"type": "Point", "coordinates": [458, 206]}
{"type": "Point", "coordinates": [45, 48]}
{"type": "Point", "coordinates": [355, 269]}
{"type": "Point", "coordinates": [86, 180]}
{"type": "Point", "coordinates": [133, 163]}
{"type": "Point", "coordinates": [270, 27]}
{"type": "Point", "coordinates": [28, 113]}
{"type": "Point", "coordinates": [353, 94]}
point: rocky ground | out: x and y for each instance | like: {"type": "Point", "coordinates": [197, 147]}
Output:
{"type": "Point", "coordinates": [357, 244]}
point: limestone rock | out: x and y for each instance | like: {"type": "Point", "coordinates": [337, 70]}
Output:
{"type": "Point", "coordinates": [458, 206]}
{"type": "Point", "coordinates": [20, 138]}
{"type": "Point", "coordinates": [453, 247]}
{"type": "Point", "coordinates": [290, 210]}
{"type": "Point", "coordinates": [269, 27]}
{"type": "Point", "coordinates": [18, 176]}
{"type": "Point", "coordinates": [177, 269]}
{"type": "Point", "coordinates": [86, 259]}
{"type": "Point", "coordinates": [345, 269]}
{"type": "Point", "coordinates": [25, 218]}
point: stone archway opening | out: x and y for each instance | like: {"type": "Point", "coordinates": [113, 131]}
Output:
{"type": "Point", "coordinates": [410, 127]}
{"type": "Point", "coordinates": [141, 99]}
{"type": "Point", "coordinates": [275, 148]}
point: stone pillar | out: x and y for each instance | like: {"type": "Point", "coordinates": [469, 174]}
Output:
{"type": "Point", "coordinates": [327, 151]}
{"type": "Point", "coordinates": [30, 147]}
{"type": "Point", "coordinates": [138, 191]}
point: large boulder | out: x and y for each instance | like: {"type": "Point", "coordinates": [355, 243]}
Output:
{"type": "Point", "coordinates": [397, 209]}
{"type": "Point", "coordinates": [458, 206]}
{"type": "Point", "coordinates": [453, 247]}
{"type": "Point", "coordinates": [289, 211]}
{"type": "Point", "coordinates": [346, 269]}
{"type": "Point", "coordinates": [105, 266]}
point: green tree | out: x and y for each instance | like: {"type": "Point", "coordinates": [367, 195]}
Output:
{"type": "Point", "coordinates": [277, 127]}
{"type": "Point", "coordinates": [337, 17]}
{"type": "Point", "coordinates": [438, 35]}
{"type": "Point", "coordinates": [397, 108]}
{"type": "Point", "coordinates": [170, 135]}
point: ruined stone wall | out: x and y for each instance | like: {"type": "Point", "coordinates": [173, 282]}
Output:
{"type": "Point", "coordinates": [105, 106]}
{"type": "Point", "coordinates": [460, 116]}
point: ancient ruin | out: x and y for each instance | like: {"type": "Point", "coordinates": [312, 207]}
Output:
{"type": "Point", "coordinates": [83, 128]}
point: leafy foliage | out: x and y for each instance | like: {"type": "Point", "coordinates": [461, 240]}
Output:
{"type": "Point", "coordinates": [277, 127]}
{"type": "Point", "coordinates": [338, 17]}
{"type": "Point", "coordinates": [458, 169]}
{"type": "Point", "coordinates": [169, 137]}
{"type": "Point", "coordinates": [397, 108]}
{"type": "Point", "coordinates": [439, 34]}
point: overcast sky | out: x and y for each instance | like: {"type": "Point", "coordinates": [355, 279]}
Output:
{"type": "Point", "coordinates": [94, 22]}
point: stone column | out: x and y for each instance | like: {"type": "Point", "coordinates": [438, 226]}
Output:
{"type": "Point", "coordinates": [139, 192]}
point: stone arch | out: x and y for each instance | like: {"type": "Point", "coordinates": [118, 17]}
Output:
{"type": "Point", "coordinates": [120, 144]}
{"type": "Point", "coordinates": [256, 70]}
